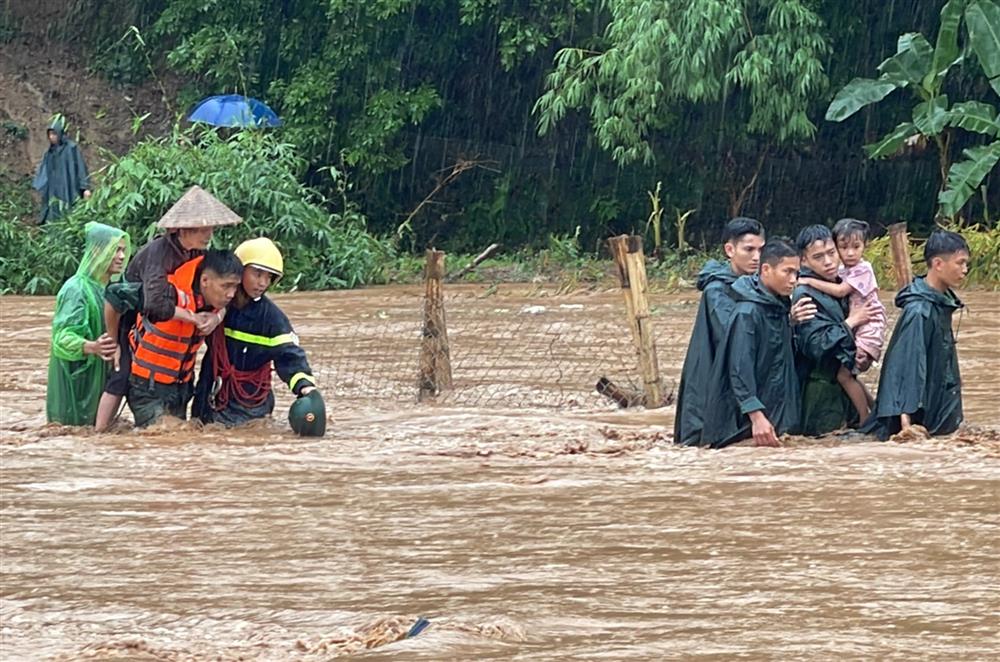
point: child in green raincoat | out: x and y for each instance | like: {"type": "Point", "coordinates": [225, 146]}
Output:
{"type": "Point", "coordinates": [80, 346]}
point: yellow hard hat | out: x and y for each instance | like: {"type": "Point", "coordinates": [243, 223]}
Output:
{"type": "Point", "coordinates": [261, 253]}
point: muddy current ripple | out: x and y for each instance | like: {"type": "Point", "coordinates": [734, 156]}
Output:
{"type": "Point", "coordinates": [521, 532]}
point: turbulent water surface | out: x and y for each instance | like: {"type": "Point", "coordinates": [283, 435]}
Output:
{"type": "Point", "coordinates": [521, 514]}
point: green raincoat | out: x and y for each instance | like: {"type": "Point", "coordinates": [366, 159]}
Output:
{"type": "Point", "coordinates": [715, 282]}
{"type": "Point", "coordinates": [76, 380]}
{"type": "Point", "coordinates": [823, 344]}
{"type": "Point", "coordinates": [920, 370]}
{"type": "Point", "coordinates": [754, 369]}
{"type": "Point", "coordinates": [62, 175]}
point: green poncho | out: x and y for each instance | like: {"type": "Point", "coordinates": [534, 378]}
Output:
{"type": "Point", "coordinates": [823, 344]}
{"type": "Point", "coordinates": [920, 370]}
{"type": "Point", "coordinates": [75, 379]}
{"type": "Point", "coordinates": [62, 176]}
{"type": "Point", "coordinates": [754, 369]}
{"type": "Point", "coordinates": [715, 282]}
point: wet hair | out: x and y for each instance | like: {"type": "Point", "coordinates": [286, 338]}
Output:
{"type": "Point", "coordinates": [944, 243]}
{"type": "Point", "coordinates": [221, 263]}
{"type": "Point", "coordinates": [740, 226]}
{"type": "Point", "coordinates": [850, 227]}
{"type": "Point", "coordinates": [775, 251]}
{"type": "Point", "coordinates": [809, 235]}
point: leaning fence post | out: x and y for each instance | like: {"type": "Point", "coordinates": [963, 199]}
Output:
{"type": "Point", "coordinates": [899, 242]}
{"type": "Point", "coordinates": [435, 358]}
{"type": "Point", "coordinates": [628, 256]}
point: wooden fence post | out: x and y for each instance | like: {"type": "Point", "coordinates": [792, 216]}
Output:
{"type": "Point", "coordinates": [628, 256]}
{"type": "Point", "coordinates": [899, 242]}
{"type": "Point", "coordinates": [435, 358]}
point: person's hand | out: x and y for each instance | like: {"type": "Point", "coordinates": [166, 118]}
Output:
{"type": "Point", "coordinates": [904, 421]}
{"type": "Point", "coordinates": [763, 431]}
{"type": "Point", "coordinates": [306, 390]}
{"type": "Point", "coordinates": [862, 315]}
{"type": "Point", "coordinates": [86, 194]}
{"type": "Point", "coordinates": [206, 322]}
{"type": "Point", "coordinates": [106, 347]}
{"type": "Point", "coordinates": [802, 310]}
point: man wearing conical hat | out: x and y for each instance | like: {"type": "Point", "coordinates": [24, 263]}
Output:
{"type": "Point", "coordinates": [189, 226]}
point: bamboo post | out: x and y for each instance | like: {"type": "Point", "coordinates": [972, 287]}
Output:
{"type": "Point", "coordinates": [435, 357]}
{"type": "Point", "coordinates": [899, 242]}
{"type": "Point", "coordinates": [628, 256]}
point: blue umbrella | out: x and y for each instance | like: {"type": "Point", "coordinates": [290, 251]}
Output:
{"type": "Point", "coordinates": [233, 110]}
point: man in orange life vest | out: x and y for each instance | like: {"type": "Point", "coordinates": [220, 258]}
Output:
{"type": "Point", "coordinates": [234, 386]}
{"type": "Point", "coordinates": [164, 353]}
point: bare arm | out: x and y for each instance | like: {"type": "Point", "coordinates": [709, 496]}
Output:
{"type": "Point", "coordinates": [839, 290]}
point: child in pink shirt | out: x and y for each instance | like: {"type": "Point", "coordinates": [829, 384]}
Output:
{"type": "Point", "coordinates": [859, 285]}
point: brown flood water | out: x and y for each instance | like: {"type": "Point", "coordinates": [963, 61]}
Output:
{"type": "Point", "coordinates": [522, 530]}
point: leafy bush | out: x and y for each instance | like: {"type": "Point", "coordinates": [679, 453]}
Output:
{"type": "Point", "coordinates": [984, 262]}
{"type": "Point", "coordinates": [252, 172]}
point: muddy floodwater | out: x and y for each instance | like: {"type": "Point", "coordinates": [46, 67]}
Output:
{"type": "Point", "coordinates": [523, 515]}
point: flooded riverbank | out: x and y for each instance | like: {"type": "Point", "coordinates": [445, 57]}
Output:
{"type": "Point", "coordinates": [524, 516]}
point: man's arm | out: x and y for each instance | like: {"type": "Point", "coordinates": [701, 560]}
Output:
{"type": "Point", "coordinates": [741, 357]}
{"type": "Point", "coordinates": [839, 290]}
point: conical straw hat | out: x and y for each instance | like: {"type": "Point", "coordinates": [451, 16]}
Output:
{"type": "Point", "coordinates": [198, 209]}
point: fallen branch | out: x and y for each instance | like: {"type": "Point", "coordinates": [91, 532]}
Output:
{"type": "Point", "coordinates": [490, 250]}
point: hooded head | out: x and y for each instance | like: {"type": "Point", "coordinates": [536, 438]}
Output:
{"type": "Point", "coordinates": [57, 131]}
{"type": "Point", "coordinates": [105, 252]}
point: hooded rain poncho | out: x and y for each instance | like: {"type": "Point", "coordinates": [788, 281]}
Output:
{"type": "Point", "coordinates": [62, 175]}
{"type": "Point", "coordinates": [920, 374]}
{"type": "Point", "coordinates": [76, 380]}
{"type": "Point", "coordinates": [715, 282]}
{"type": "Point", "coordinates": [754, 369]}
{"type": "Point", "coordinates": [823, 344]}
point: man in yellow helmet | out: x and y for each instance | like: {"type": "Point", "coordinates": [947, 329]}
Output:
{"type": "Point", "coordinates": [234, 386]}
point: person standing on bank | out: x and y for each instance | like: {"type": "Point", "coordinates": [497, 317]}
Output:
{"type": "Point", "coordinates": [920, 382]}
{"type": "Point", "coordinates": [81, 350]}
{"type": "Point", "coordinates": [825, 345]}
{"type": "Point", "coordinates": [754, 388]}
{"type": "Point", "coordinates": [234, 385]}
{"type": "Point", "coordinates": [62, 177]}
{"type": "Point", "coordinates": [189, 224]}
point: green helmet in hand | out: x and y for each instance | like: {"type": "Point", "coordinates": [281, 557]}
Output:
{"type": "Point", "coordinates": [307, 415]}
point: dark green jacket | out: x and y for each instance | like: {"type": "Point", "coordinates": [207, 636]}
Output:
{"type": "Point", "coordinates": [822, 345]}
{"type": "Point", "coordinates": [754, 369]}
{"type": "Point", "coordinates": [715, 282]}
{"type": "Point", "coordinates": [920, 370]}
{"type": "Point", "coordinates": [62, 176]}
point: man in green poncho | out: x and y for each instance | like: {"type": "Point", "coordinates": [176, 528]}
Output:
{"type": "Point", "coordinates": [742, 240]}
{"type": "Point", "coordinates": [825, 342]}
{"type": "Point", "coordinates": [920, 382]}
{"type": "Point", "coordinates": [754, 389]}
{"type": "Point", "coordinates": [80, 346]}
{"type": "Point", "coordinates": [62, 176]}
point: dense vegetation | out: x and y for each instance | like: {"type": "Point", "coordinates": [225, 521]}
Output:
{"type": "Point", "coordinates": [459, 123]}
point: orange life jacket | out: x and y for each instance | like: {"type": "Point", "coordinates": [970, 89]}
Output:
{"type": "Point", "coordinates": [165, 352]}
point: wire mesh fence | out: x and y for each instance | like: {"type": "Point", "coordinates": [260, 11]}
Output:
{"type": "Point", "coordinates": [504, 352]}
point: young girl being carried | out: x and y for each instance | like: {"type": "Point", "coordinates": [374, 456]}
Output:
{"type": "Point", "coordinates": [858, 283]}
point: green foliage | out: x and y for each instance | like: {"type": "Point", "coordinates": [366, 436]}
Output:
{"type": "Point", "coordinates": [15, 130]}
{"type": "Point", "coordinates": [255, 174]}
{"type": "Point", "coordinates": [922, 69]}
{"type": "Point", "coordinates": [10, 26]}
{"type": "Point", "coordinates": [656, 56]}
{"type": "Point", "coordinates": [984, 258]}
